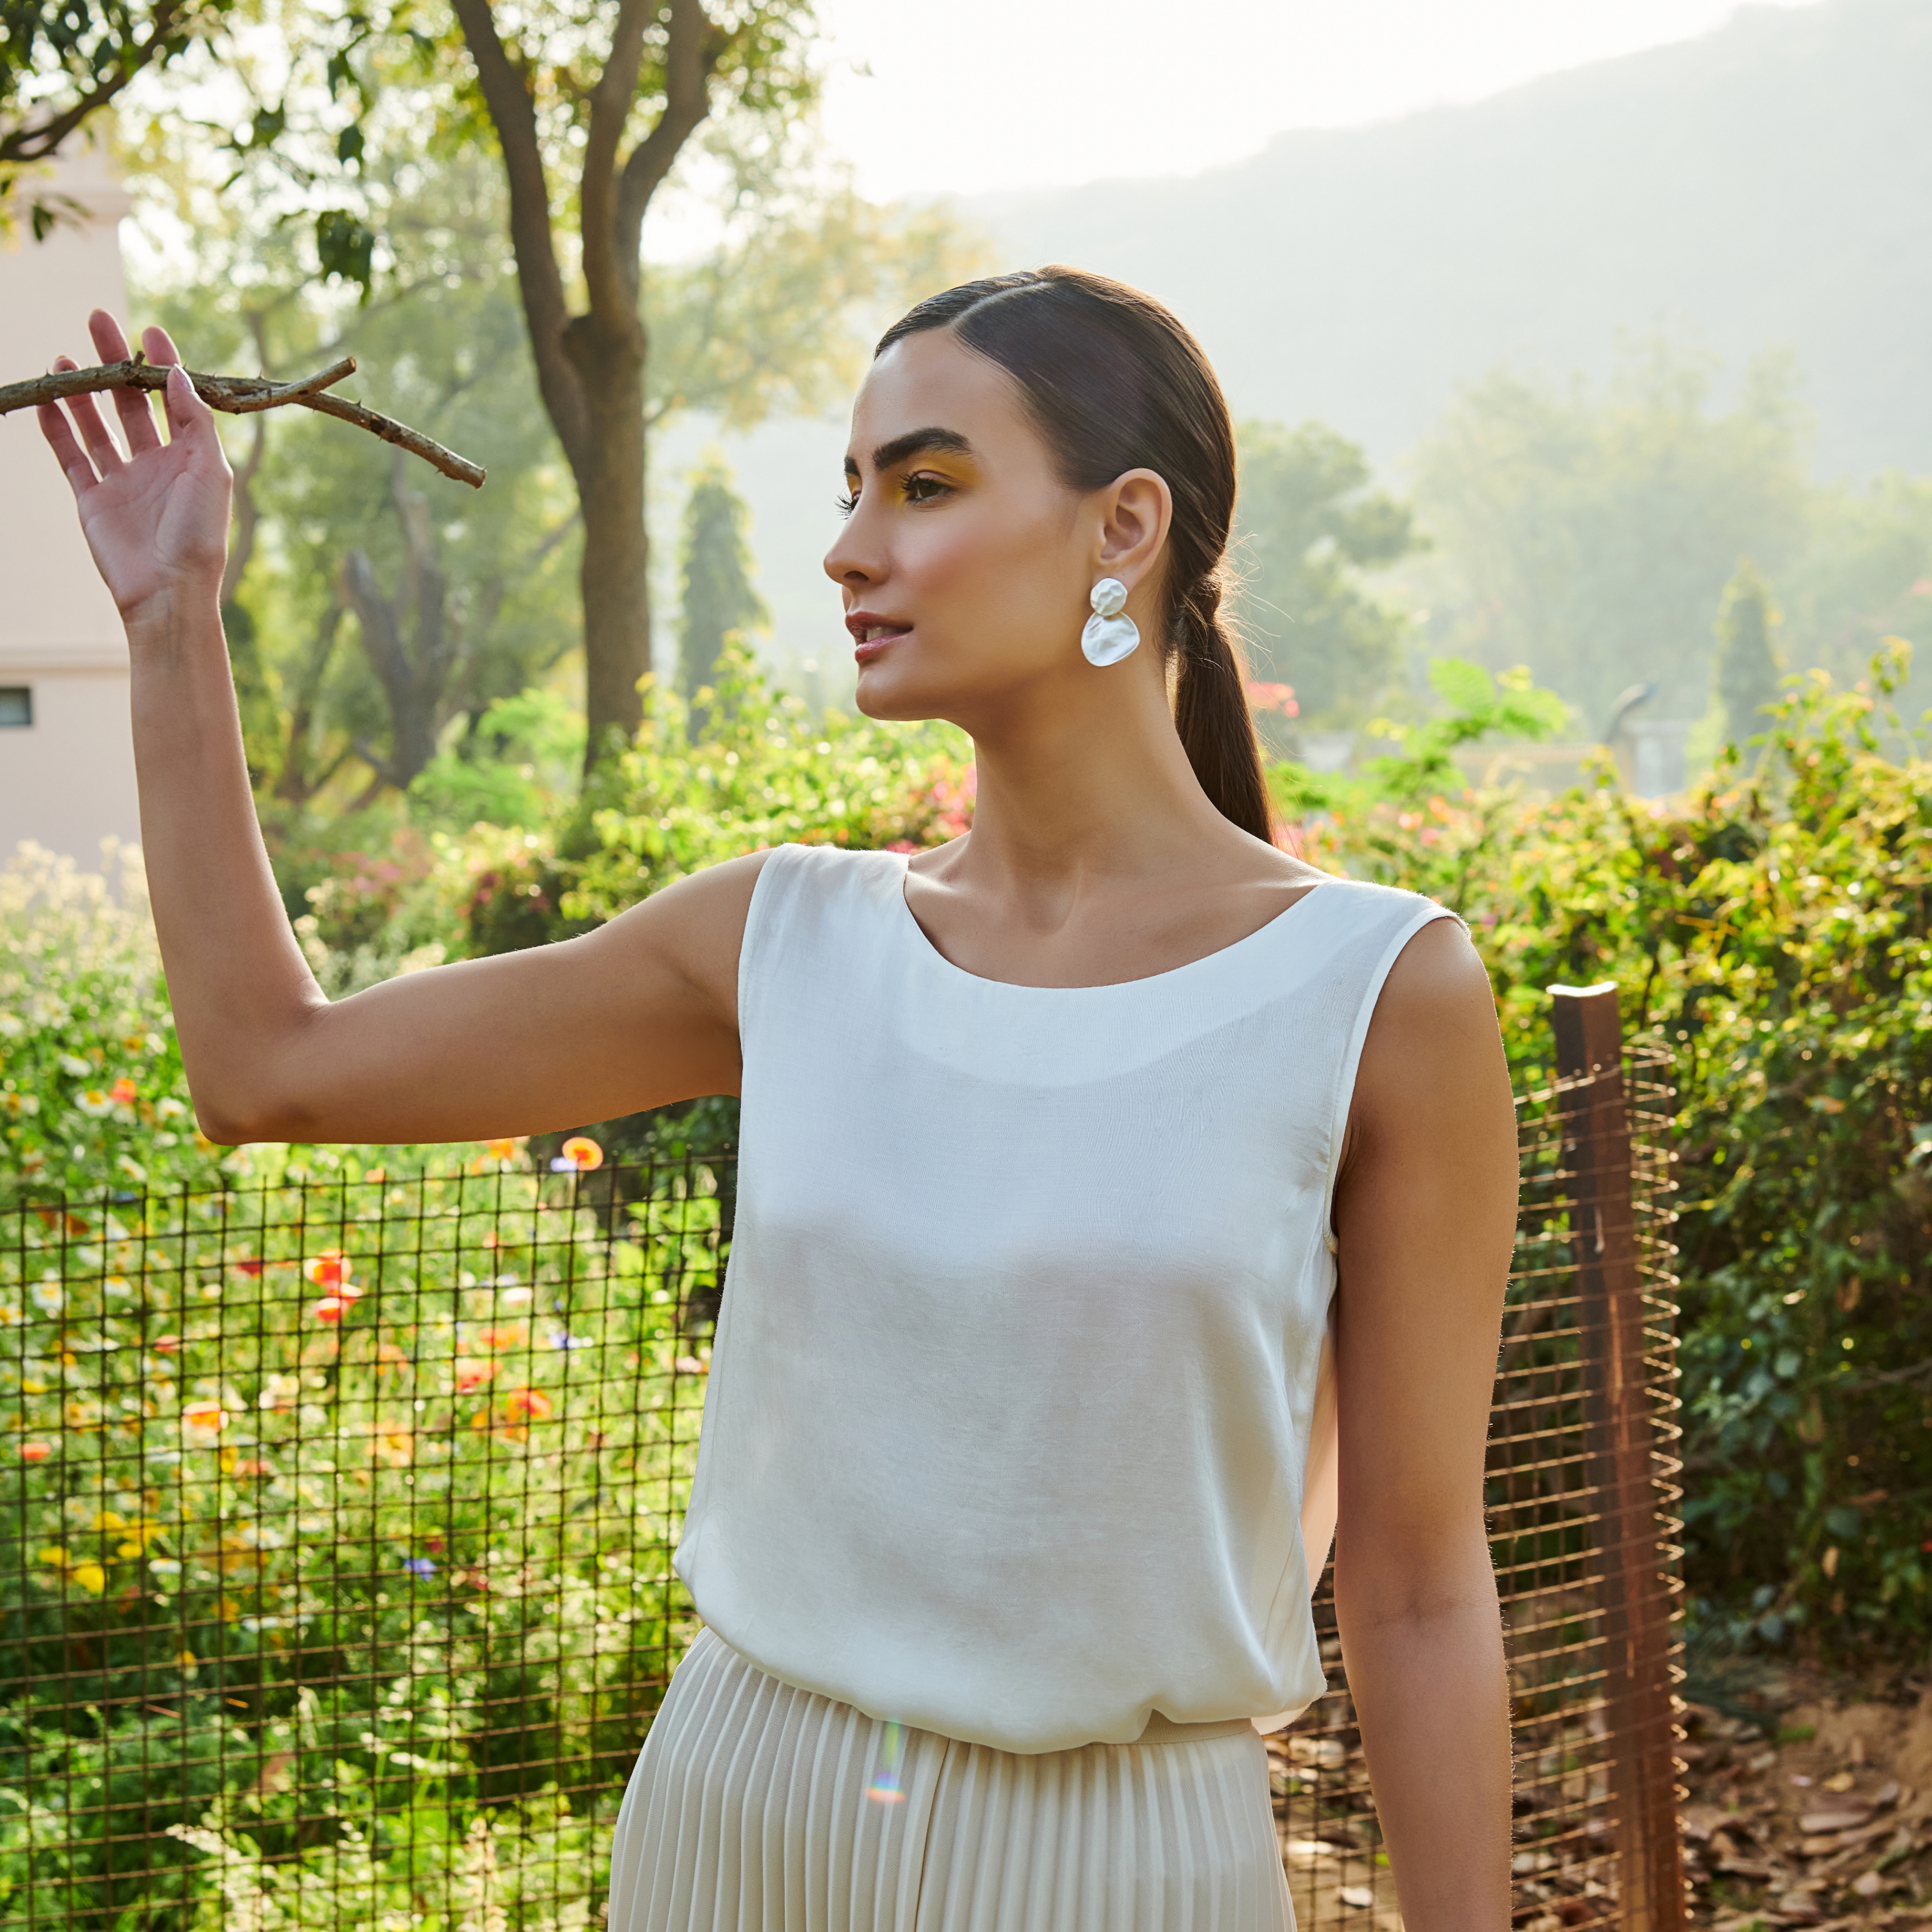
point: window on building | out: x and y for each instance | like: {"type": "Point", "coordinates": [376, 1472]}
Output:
{"type": "Point", "coordinates": [16, 705]}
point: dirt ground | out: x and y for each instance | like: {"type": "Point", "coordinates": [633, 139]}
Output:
{"type": "Point", "coordinates": [1810, 1804]}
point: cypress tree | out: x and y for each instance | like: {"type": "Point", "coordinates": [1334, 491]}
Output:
{"type": "Point", "coordinates": [719, 597]}
{"type": "Point", "coordinates": [1747, 667]}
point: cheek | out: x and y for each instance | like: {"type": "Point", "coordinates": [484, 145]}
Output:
{"type": "Point", "coordinates": [1006, 573]}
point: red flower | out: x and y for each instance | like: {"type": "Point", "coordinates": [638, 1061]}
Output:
{"type": "Point", "coordinates": [472, 1375]}
{"type": "Point", "coordinates": [122, 1092]}
{"type": "Point", "coordinates": [527, 1404]}
{"type": "Point", "coordinates": [331, 1269]}
{"type": "Point", "coordinates": [583, 1152]}
{"type": "Point", "coordinates": [34, 1452]}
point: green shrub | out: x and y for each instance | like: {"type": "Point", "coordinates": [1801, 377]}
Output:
{"type": "Point", "coordinates": [91, 1090]}
{"type": "Point", "coordinates": [1774, 930]}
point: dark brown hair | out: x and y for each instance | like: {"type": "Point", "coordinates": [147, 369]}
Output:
{"type": "Point", "coordinates": [1115, 383]}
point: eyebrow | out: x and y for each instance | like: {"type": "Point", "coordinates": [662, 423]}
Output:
{"type": "Point", "coordinates": [911, 444]}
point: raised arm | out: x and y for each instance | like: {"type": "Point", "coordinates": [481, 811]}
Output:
{"type": "Point", "coordinates": [643, 1012]}
{"type": "Point", "coordinates": [1426, 1218]}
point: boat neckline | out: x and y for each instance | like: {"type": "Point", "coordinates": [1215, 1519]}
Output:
{"type": "Point", "coordinates": [1204, 960]}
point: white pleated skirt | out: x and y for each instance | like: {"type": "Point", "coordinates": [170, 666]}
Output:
{"type": "Point", "coordinates": [756, 1807]}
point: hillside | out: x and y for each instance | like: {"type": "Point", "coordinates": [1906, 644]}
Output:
{"type": "Point", "coordinates": [1767, 185]}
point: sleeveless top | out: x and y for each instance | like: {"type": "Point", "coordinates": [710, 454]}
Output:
{"type": "Point", "coordinates": [1011, 1392]}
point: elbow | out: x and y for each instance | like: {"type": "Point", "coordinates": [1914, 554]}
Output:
{"type": "Point", "coordinates": [234, 1114]}
{"type": "Point", "coordinates": [228, 1125]}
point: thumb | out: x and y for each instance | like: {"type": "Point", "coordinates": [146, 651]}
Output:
{"type": "Point", "coordinates": [187, 414]}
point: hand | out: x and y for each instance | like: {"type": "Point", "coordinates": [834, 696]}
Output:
{"type": "Point", "coordinates": [156, 519]}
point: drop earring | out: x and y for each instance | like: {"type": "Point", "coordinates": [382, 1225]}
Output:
{"type": "Point", "coordinates": [1108, 636]}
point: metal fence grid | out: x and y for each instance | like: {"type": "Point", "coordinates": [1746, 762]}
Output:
{"type": "Point", "coordinates": [1590, 1748]}
{"type": "Point", "coordinates": [334, 1559]}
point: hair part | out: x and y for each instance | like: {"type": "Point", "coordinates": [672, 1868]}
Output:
{"type": "Point", "coordinates": [1114, 382]}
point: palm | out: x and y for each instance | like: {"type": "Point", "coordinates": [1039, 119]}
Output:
{"type": "Point", "coordinates": [156, 518]}
{"type": "Point", "coordinates": [159, 522]}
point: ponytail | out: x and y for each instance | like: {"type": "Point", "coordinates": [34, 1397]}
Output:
{"type": "Point", "coordinates": [1114, 383]}
{"type": "Point", "coordinates": [1211, 710]}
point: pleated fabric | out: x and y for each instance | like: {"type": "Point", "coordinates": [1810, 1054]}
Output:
{"type": "Point", "coordinates": [756, 1807]}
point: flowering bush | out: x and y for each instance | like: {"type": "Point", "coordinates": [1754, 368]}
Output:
{"type": "Point", "coordinates": [406, 1548]}
{"type": "Point", "coordinates": [92, 1088]}
{"type": "Point", "coordinates": [768, 772]}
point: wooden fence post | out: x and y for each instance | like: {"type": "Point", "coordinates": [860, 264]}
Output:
{"type": "Point", "coordinates": [1635, 1605]}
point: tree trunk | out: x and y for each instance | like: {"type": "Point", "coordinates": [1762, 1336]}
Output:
{"type": "Point", "coordinates": [613, 576]}
{"type": "Point", "coordinates": [590, 368]}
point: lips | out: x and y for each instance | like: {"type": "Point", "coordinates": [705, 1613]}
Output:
{"type": "Point", "coordinates": [870, 634]}
{"type": "Point", "coordinates": [867, 628]}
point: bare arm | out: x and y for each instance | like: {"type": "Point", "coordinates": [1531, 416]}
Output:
{"type": "Point", "coordinates": [1425, 1217]}
{"type": "Point", "coordinates": [642, 1011]}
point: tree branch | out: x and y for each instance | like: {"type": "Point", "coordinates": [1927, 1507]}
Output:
{"type": "Point", "coordinates": [506, 95]}
{"type": "Point", "coordinates": [243, 395]}
{"type": "Point", "coordinates": [613, 294]}
{"type": "Point", "coordinates": [37, 142]}
{"type": "Point", "coordinates": [689, 56]}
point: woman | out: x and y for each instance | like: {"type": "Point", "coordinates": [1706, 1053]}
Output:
{"type": "Point", "coordinates": [1033, 1400]}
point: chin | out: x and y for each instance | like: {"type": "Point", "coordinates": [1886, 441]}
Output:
{"type": "Point", "coordinates": [885, 693]}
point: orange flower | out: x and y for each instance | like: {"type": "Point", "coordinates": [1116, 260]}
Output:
{"type": "Point", "coordinates": [583, 1152]}
{"type": "Point", "coordinates": [205, 1415]}
{"type": "Point", "coordinates": [122, 1092]}
{"type": "Point", "coordinates": [472, 1375]}
{"type": "Point", "coordinates": [34, 1452]}
{"type": "Point", "coordinates": [331, 1269]}
{"type": "Point", "coordinates": [504, 1149]}
{"type": "Point", "coordinates": [165, 1345]}
{"type": "Point", "coordinates": [526, 1404]}
{"type": "Point", "coordinates": [331, 1308]}
{"type": "Point", "coordinates": [512, 1337]}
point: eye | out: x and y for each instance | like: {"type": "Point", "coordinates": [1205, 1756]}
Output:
{"type": "Point", "coordinates": [848, 503]}
{"type": "Point", "coordinates": [920, 487]}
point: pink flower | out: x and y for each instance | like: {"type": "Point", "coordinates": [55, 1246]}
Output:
{"type": "Point", "coordinates": [1265, 697]}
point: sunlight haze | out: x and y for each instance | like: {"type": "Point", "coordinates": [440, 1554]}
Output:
{"type": "Point", "coordinates": [1010, 93]}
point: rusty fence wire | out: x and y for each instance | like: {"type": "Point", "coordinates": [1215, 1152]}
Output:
{"type": "Point", "coordinates": [1581, 1495]}
{"type": "Point", "coordinates": [335, 1586]}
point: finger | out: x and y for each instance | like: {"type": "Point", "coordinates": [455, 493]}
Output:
{"type": "Point", "coordinates": [86, 418]}
{"type": "Point", "coordinates": [132, 406]}
{"type": "Point", "coordinates": [187, 415]}
{"type": "Point", "coordinates": [159, 344]}
{"type": "Point", "coordinates": [68, 452]}
{"type": "Point", "coordinates": [94, 433]}
{"type": "Point", "coordinates": [110, 343]}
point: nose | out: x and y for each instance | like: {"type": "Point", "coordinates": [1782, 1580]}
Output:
{"type": "Point", "coordinates": [853, 561]}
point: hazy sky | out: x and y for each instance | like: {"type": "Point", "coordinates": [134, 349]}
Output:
{"type": "Point", "coordinates": [964, 96]}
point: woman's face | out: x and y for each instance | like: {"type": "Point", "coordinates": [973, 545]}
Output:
{"type": "Point", "coordinates": [966, 563]}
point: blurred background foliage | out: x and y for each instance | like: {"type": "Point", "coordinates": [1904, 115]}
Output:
{"type": "Point", "coordinates": [1551, 550]}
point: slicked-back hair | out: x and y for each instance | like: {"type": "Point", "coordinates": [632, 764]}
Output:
{"type": "Point", "coordinates": [1114, 382]}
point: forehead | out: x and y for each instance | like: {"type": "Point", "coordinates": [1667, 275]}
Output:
{"type": "Point", "coordinates": [932, 380]}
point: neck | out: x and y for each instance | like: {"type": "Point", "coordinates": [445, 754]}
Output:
{"type": "Point", "coordinates": [1097, 788]}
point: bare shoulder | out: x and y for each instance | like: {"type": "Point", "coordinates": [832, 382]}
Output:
{"type": "Point", "coordinates": [694, 929]}
{"type": "Point", "coordinates": [1434, 1050]}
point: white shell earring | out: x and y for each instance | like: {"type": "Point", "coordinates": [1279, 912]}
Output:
{"type": "Point", "coordinates": [1108, 636]}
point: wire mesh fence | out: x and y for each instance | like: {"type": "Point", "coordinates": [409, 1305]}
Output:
{"type": "Point", "coordinates": [335, 1555]}
{"type": "Point", "coordinates": [1582, 1491]}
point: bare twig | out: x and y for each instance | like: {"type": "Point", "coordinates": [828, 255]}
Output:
{"type": "Point", "coordinates": [243, 395]}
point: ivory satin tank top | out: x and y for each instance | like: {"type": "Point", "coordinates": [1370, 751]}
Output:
{"type": "Point", "coordinates": [1011, 1394]}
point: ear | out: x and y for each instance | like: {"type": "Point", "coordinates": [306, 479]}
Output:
{"type": "Point", "coordinates": [1136, 510]}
